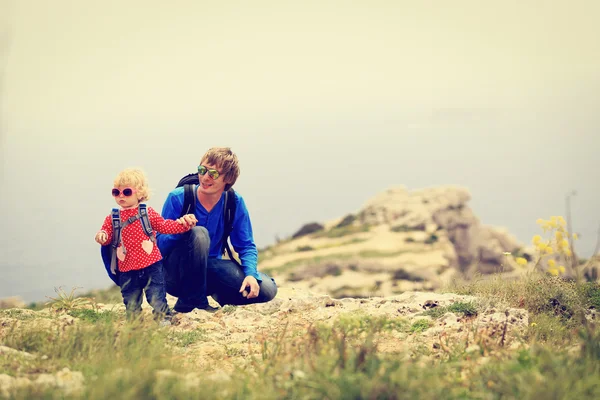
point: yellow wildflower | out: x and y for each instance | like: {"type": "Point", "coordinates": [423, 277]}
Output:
{"type": "Point", "coordinates": [553, 271]}
{"type": "Point", "coordinates": [549, 250]}
{"type": "Point", "coordinates": [558, 235]}
{"type": "Point", "coordinates": [540, 221]}
{"type": "Point", "coordinates": [521, 261]}
{"type": "Point", "coordinates": [562, 221]}
{"type": "Point", "coordinates": [551, 263]}
{"type": "Point", "coordinates": [536, 239]}
{"type": "Point", "coordinates": [542, 246]}
{"type": "Point", "coordinates": [568, 252]}
{"type": "Point", "coordinates": [561, 269]}
{"type": "Point", "coordinates": [564, 243]}
{"type": "Point", "coordinates": [575, 236]}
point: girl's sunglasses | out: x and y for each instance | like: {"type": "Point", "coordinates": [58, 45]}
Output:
{"type": "Point", "coordinates": [213, 173]}
{"type": "Point", "coordinates": [126, 192]}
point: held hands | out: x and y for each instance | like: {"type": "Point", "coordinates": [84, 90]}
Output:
{"type": "Point", "coordinates": [188, 220]}
{"type": "Point", "coordinates": [101, 237]}
{"type": "Point", "coordinates": [254, 288]}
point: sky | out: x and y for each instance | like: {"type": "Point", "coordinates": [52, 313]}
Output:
{"type": "Point", "coordinates": [326, 104]}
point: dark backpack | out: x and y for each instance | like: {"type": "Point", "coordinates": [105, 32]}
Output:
{"type": "Point", "coordinates": [189, 203]}
{"type": "Point", "coordinates": [109, 253]}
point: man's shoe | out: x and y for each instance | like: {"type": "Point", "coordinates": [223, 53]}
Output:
{"type": "Point", "coordinates": [209, 309]}
{"type": "Point", "coordinates": [183, 308]}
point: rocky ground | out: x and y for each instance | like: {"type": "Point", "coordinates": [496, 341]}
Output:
{"type": "Point", "coordinates": [218, 343]}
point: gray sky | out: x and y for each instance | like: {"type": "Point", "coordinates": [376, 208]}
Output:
{"type": "Point", "coordinates": [326, 104]}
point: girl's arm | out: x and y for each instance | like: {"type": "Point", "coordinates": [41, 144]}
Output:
{"type": "Point", "coordinates": [167, 226]}
{"type": "Point", "coordinates": [107, 228]}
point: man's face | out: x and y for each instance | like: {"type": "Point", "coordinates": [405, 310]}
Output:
{"type": "Point", "coordinates": [209, 185]}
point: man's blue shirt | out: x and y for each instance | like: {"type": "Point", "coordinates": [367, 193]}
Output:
{"type": "Point", "coordinates": [241, 236]}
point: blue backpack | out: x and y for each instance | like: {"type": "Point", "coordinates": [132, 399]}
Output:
{"type": "Point", "coordinates": [109, 253]}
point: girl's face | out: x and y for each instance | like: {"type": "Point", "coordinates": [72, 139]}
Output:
{"type": "Point", "coordinates": [125, 197]}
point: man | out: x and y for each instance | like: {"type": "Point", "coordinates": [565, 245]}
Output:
{"type": "Point", "coordinates": [192, 261]}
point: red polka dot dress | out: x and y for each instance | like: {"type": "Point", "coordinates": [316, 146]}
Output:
{"type": "Point", "coordinates": [133, 236]}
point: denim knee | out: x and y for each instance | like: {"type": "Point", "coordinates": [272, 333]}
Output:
{"type": "Point", "coordinates": [155, 288]}
{"type": "Point", "coordinates": [131, 290]}
{"type": "Point", "coordinates": [268, 287]}
{"type": "Point", "coordinates": [199, 238]}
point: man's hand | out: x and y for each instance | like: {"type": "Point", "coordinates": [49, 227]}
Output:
{"type": "Point", "coordinates": [254, 288]}
{"type": "Point", "coordinates": [188, 220]}
{"type": "Point", "coordinates": [101, 237]}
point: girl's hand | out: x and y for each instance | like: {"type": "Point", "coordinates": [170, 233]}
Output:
{"type": "Point", "coordinates": [101, 237]}
{"type": "Point", "coordinates": [188, 220]}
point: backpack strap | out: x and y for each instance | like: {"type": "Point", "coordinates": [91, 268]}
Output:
{"type": "Point", "coordinates": [129, 221]}
{"type": "Point", "coordinates": [189, 199]}
{"type": "Point", "coordinates": [146, 225]}
{"type": "Point", "coordinates": [117, 238]}
{"type": "Point", "coordinates": [229, 209]}
{"type": "Point", "coordinates": [116, 227]}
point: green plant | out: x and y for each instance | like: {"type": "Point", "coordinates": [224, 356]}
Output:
{"type": "Point", "coordinates": [92, 316]}
{"type": "Point", "coordinates": [591, 294]}
{"type": "Point", "coordinates": [358, 323]}
{"type": "Point", "coordinates": [435, 312]}
{"type": "Point", "coordinates": [420, 325]}
{"type": "Point", "coordinates": [68, 301]}
{"type": "Point", "coordinates": [187, 338]}
{"type": "Point", "coordinates": [546, 328]}
{"type": "Point", "coordinates": [17, 313]}
{"type": "Point", "coordinates": [305, 248]}
{"type": "Point", "coordinates": [228, 309]}
{"type": "Point", "coordinates": [468, 309]}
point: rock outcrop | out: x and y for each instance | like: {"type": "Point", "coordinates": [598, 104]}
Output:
{"type": "Point", "coordinates": [400, 240]}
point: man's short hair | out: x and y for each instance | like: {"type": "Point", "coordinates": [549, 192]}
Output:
{"type": "Point", "coordinates": [226, 161]}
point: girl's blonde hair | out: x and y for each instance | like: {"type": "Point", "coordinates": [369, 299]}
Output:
{"type": "Point", "coordinates": [135, 179]}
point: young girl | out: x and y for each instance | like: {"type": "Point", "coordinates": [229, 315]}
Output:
{"type": "Point", "coordinates": [139, 259]}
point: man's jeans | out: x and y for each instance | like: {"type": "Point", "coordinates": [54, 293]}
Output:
{"type": "Point", "coordinates": [191, 275]}
{"type": "Point", "coordinates": [151, 280]}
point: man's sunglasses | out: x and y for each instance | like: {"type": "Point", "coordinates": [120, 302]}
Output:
{"type": "Point", "coordinates": [126, 192]}
{"type": "Point", "coordinates": [213, 173]}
